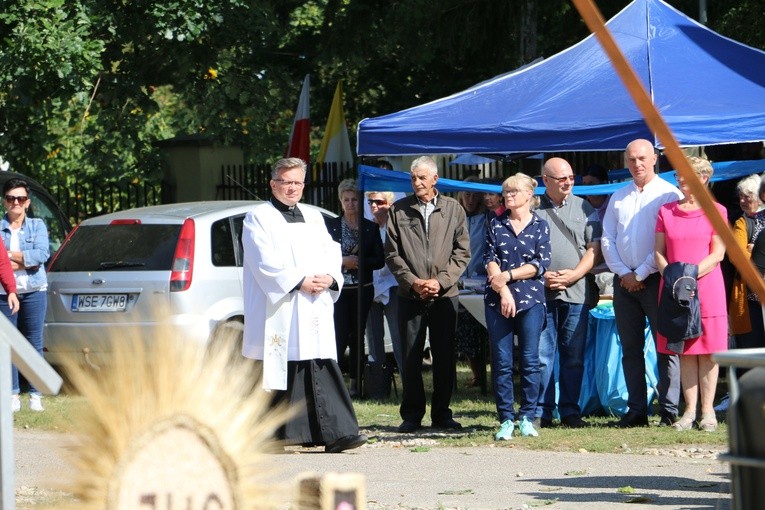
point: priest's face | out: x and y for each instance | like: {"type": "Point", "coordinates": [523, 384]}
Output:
{"type": "Point", "coordinates": [288, 187]}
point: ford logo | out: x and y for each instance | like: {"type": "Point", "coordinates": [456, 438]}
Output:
{"type": "Point", "coordinates": [98, 281]}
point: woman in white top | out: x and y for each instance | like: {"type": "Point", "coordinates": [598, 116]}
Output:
{"type": "Point", "coordinates": [26, 241]}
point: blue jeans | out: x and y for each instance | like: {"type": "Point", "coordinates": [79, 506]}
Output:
{"type": "Point", "coordinates": [29, 321]}
{"type": "Point", "coordinates": [564, 335]}
{"type": "Point", "coordinates": [527, 325]}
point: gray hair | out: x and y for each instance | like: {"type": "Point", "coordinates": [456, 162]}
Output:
{"type": "Point", "coordinates": [287, 164]}
{"type": "Point", "coordinates": [427, 162]}
{"type": "Point", "coordinates": [347, 185]}
{"type": "Point", "coordinates": [749, 185]}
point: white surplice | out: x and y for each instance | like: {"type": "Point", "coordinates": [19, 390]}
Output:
{"type": "Point", "coordinates": [281, 323]}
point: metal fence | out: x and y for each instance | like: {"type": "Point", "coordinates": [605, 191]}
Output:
{"type": "Point", "coordinates": [85, 199]}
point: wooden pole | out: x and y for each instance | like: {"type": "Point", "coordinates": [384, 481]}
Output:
{"type": "Point", "coordinates": [594, 20]}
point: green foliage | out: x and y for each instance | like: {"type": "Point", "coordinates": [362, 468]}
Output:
{"type": "Point", "coordinates": [88, 86]}
{"type": "Point", "coordinates": [736, 21]}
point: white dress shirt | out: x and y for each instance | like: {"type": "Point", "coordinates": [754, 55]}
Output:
{"type": "Point", "coordinates": [629, 226]}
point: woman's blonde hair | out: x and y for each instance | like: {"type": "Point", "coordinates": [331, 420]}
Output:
{"type": "Point", "coordinates": [520, 180]}
{"type": "Point", "coordinates": [387, 195]}
{"type": "Point", "coordinates": [701, 167]}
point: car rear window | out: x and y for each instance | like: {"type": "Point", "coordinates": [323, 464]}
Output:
{"type": "Point", "coordinates": [120, 247]}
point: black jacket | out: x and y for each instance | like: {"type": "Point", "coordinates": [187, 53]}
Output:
{"type": "Point", "coordinates": [679, 307]}
{"type": "Point", "coordinates": [369, 236]}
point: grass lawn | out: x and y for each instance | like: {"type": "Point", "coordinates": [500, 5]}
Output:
{"type": "Point", "coordinates": [476, 412]}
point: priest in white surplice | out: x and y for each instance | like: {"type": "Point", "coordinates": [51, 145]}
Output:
{"type": "Point", "coordinates": [292, 277]}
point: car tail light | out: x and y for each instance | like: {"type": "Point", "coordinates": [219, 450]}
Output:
{"type": "Point", "coordinates": [125, 222]}
{"type": "Point", "coordinates": [183, 260]}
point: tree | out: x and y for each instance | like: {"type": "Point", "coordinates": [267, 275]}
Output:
{"type": "Point", "coordinates": [88, 86]}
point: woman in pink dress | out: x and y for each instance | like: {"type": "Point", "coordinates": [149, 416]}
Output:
{"type": "Point", "coordinates": [684, 234]}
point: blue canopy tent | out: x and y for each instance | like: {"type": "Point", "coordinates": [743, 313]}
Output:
{"type": "Point", "coordinates": [709, 89]}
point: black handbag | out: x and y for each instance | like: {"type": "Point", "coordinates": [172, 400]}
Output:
{"type": "Point", "coordinates": [679, 317]}
{"type": "Point", "coordinates": [378, 379]}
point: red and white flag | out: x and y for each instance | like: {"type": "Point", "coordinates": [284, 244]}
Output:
{"type": "Point", "coordinates": [299, 145]}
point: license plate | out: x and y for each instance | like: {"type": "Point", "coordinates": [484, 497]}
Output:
{"type": "Point", "coordinates": [99, 302]}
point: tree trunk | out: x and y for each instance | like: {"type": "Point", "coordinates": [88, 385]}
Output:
{"type": "Point", "coordinates": [528, 31]}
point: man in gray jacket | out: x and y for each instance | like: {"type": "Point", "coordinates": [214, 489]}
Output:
{"type": "Point", "coordinates": [575, 241]}
{"type": "Point", "coordinates": [427, 250]}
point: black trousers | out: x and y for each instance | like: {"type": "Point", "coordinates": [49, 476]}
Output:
{"type": "Point", "coordinates": [346, 323]}
{"type": "Point", "coordinates": [439, 318]}
{"type": "Point", "coordinates": [631, 310]}
{"type": "Point", "coordinates": [321, 406]}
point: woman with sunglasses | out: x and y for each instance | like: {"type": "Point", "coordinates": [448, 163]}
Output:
{"type": "Point", "coordinates": [26, 242]}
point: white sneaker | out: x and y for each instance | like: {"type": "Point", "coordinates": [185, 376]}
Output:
{"type": "Point", "coordinates": [15, 403]}
{"type": "Point", "coordinates": [35, 403]}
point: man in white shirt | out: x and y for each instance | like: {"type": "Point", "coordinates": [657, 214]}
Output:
{"type": "Point", "coordinates": [628, 249]}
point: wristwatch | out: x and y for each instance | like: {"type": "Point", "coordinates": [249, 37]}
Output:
{"type": "Point", "coordinates": [637, 277]}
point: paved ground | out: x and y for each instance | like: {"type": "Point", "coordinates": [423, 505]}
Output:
{"type": "Point", "coordinates": [419, 474]}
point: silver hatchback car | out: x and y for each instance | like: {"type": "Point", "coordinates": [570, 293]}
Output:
{"type": "Point", "coordinates": [122, 270]}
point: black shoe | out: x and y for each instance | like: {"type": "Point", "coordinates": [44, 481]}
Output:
{"type": "Point", "coordinates": [631, 420]}
{"type": "Point", "coordinates": [574, 422]}
{"type": "Point", "coordinates": [447, 424]}
{"type": "Point", "coordinates": [667, 420]}
{"type": "Point", "coordinates": [346, 443]}
{"type": "Point", "coordinates": [407, 427]}
{"type": "Point", "coordinates": [542, 423]}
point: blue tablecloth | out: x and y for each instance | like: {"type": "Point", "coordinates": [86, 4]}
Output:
{"type": "Point", "coordinates": [603, 388]}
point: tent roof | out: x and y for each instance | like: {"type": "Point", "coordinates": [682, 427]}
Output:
{"type": "Point", "coordinates": [709, 89]}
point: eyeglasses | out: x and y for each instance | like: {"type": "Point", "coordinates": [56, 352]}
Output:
{"type": "Point", "coordinates": [512, 192]}
{"type": "Point", "coordinates": [377, 201]}
{"type": "Point", "coordinates": [11, 199]}
{"type": "Point", "coordinates": [563, 179]}
{"type": "Point", "coordinates": [287, 184]}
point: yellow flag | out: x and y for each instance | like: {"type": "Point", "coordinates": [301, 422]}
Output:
{"type": "Point", "coordinates": [335, 146]}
